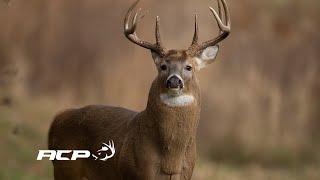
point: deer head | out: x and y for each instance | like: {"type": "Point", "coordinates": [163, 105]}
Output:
{"type": "Point", "coordinates": [176, 68]}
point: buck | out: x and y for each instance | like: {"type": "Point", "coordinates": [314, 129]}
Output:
{"type": "Point", "coordinates": [158, 143]}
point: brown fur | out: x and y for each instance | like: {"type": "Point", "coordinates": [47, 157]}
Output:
{"type": "Point", "coordinates": [157, 143]}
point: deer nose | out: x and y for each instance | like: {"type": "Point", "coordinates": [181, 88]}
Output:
{"type": "Point", "coordinates": [174, 82]}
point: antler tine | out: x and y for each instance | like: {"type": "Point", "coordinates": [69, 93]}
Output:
{"type": "Point", "coordinates": [130, 32]}
{"type": "Point", "coordinates": [227, 15]}
{"type": "Point", "coordinates": [134, 21]}
{"type": "Point", "coordinates": [220, 14]}
{"type": "Point", "coordinates": [158, 37]}
{"type": "Point", "coordinates": [224, 29]}
{"type": "Point", "coordinates": [196, 30]}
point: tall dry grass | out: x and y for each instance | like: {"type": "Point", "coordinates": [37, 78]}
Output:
{"type": "Point", "coordinates": [261, 98]}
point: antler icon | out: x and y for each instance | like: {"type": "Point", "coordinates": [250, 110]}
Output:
{"type": "Point", "coordinates": [106, 147]}
{"type": "Point", "coordinates": [112, 149]}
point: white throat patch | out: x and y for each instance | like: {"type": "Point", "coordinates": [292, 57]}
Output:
{"type": "Point", "coordinates": [176, 101]}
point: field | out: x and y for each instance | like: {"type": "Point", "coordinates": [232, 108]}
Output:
{"type": "Point", "coordinates": [22, 140]}
{"type": "Point", "coordinates": [260, 116]}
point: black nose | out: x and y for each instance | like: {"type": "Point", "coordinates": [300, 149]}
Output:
{"type": "Point", "coordinates": [174, 82]}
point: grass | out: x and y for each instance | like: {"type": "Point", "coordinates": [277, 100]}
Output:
{"type": "Point", "coordinates": [19, 147]}
{"type": "Point", "coordinates": [16, 174]}
{"type": "Point", "coordinates": [224, 171]}
{"type": "Point", "coordinates": [280, 156]}
{"type": "Point", "coordinates": [23, 129]}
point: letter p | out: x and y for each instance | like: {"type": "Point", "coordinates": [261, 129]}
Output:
{"type": "Point", "coordinates": [80, 154]}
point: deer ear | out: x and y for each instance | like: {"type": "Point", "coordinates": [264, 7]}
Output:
{"type": "Point", "coordinates": [156, 57]}
{"type": "Point", "coordinates": [207, 56]}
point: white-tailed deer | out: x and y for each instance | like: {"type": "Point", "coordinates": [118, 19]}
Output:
{"type": "Point", "coordinates": [157, 143]}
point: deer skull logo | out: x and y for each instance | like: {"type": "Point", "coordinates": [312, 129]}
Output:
{"type": "Point", "coordinates": [105, 148]}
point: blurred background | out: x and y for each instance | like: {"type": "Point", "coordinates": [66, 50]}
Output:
{"type": "Point", "coordinates": [260, 99]}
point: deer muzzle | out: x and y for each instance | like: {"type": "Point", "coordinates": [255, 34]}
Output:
{"type": "Point", "coordinates": [175, 82]}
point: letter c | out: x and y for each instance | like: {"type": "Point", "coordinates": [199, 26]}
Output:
{"type": "Point", "coordinates": [59, 154]}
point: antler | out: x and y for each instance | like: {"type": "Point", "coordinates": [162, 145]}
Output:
{"type": "Point", "coordinates": [224, 29]}
{"type": "Point", "coordinates": [130, 32]}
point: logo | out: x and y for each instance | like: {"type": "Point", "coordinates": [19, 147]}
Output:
{"type": "Point", "coordinates": [107, 149]}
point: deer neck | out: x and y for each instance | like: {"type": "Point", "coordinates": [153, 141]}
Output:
{"type": "Point", "coordinates": [173, 124]}
{"type": "Point", "coordinates": [172, 128]}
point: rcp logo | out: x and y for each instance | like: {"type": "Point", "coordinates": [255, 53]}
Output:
{"type": "Point", "coordinates": [107, 149]}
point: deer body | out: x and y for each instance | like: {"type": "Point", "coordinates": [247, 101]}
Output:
{"type": "Point", "coordinates": [155, 144]}
{"type": "Point", "coordinates": [159, 140]}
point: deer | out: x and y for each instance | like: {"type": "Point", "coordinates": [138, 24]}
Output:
{"type": "Point", "coordinates": [158, 143]}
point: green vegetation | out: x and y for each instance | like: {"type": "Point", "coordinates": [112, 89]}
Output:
{"type": "Point", "coordinates": [20, 143]}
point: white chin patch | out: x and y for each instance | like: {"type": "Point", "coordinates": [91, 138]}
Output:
{"type": "Point", "coordinates": [176, 101]}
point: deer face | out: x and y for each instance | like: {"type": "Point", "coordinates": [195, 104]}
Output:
{"type": "Point", "coordinates": [177, 68]}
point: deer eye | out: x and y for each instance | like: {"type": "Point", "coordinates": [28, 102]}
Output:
{"type": "Point", "coordinates": [188, 68]}
{"type": "Point", "coordinates": [163, 67]}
